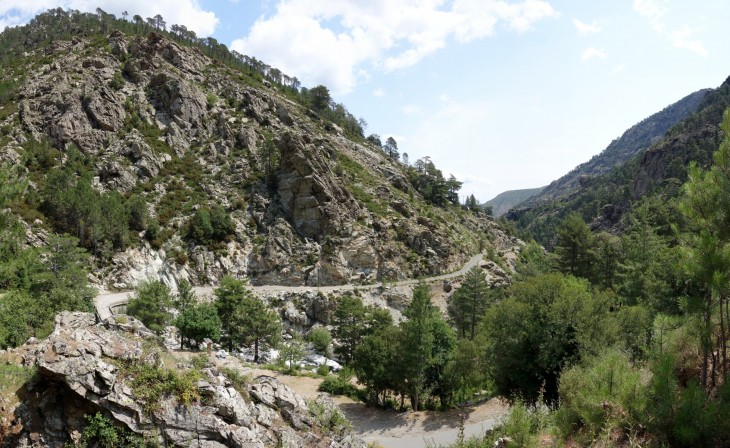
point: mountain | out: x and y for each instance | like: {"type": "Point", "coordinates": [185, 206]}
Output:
{"type": "Point", "coordinates": [657, 171]}
{"type": "Point", "coordinates": [504, 201]}
{"type": "Point", "coordinates": [633, 141]}
{"type": "Point", "coordinates": [168, 156]}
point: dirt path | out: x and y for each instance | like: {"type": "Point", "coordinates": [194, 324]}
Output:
{"type": "Point", "coordinates": [104, 303]}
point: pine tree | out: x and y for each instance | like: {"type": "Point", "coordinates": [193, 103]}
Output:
{"type": "Point", "coordinates": [256, 324]}
{"type": "Point", "coordinates": [151, 304]}
{"type": "Point", "coordinates": [469, 303]}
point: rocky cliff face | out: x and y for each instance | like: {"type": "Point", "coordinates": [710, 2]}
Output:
{"type": "Point", "coordinates": [154, 118]}
{"type": "Point", "coordinates": [83, 370]}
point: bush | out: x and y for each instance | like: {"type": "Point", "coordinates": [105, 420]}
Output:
{"type": "Point", "coordinates": [150, 384]}
{"type": "Point", "coordinates": [209, 225]}
{"type": "Point", "coordinates": [101, 432]}
{"type": "Point", "coordinates": [321, 338]}
{"type": "Point", "coordinates": [606, 392]}
{"type": "Point", "coordinates": [336, 385]}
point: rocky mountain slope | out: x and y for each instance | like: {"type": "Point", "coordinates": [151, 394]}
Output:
{"type": "Point", "coordinates": [118, 371]}
{"type": "Point", "coordinates": [633, 141]}
{"type": "Point", "coordinates": [233, 174]}
{"type": "Point", "coordinates": [503, 202]}
{"type": "Point", "coordinates": [659, 171]}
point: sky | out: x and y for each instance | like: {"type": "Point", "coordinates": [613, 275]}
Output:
{"type": "Point", "coordinates": [503, 94]}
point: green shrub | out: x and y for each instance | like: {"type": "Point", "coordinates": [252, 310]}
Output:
{"type": "Point", "coordinates": [101, 432]}
{"type": "Point", "coordinates": [117, 81]}
{"type": "Point", "coordinates": [321, 338]}
{"type": "Point", "coordinates": [336, 385]}
{"type": "Point", "coordinates": [209, 225]}
{"type": "Point", "coordinates": [150, 384]}
{"type": "Point", "coordinates": [605, 393]}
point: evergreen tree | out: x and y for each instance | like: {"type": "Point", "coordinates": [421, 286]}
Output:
{"type": "Point", "coordinates": [348, 326]}
{"type": "Point", "coordinates": [469, 302]}
{"type": "Point", "coordinates": [575, 246]}
{"type": "Point", "coordinates": [151, 304]}
{"type": "Point", "coordinates": [197, 323]}
{"type": "Point", "coordinates": [391, 148]}
{"type": "Point", "coordinates": [256, 324]}
{"type": "Point", "coordinates": [418, 343]}
{"type": "Point", "coordinates": [229, 298]}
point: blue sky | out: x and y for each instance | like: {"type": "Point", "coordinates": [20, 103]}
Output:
{"type": "Point", "coordinates": [502, 94]}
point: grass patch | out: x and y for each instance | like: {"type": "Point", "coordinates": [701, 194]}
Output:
{"type": "Point", "coordinates": [150, 384]}
{"type": "Point", "coordinates": [12, 378]}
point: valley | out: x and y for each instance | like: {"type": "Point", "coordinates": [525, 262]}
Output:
{"type": "Point", "coordinates": [197, 250]}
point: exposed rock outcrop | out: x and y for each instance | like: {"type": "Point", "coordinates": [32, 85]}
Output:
{"type": "Point", "coordinates": [81, 368]}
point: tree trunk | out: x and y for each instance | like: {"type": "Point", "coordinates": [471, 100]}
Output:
{"type": "Point", "coordinates": [256, 351]}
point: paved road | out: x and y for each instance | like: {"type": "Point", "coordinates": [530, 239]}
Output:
{"type": "Point", "coordinates": [104, 303]}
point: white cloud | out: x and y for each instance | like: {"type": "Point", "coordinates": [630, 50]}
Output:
{"type": "Point", "coordinates": [652, 9]}
{"type": "Point", "coordinates": [379, 92]}
{"type": "Point", "coordinates": [181, 12]}
{"type": "Point", "coordinates": [586, 28]}
{"type": "Point", "coordinates": [655, 11]}
{"type": "Point", "coordinates": [592, 53]}
{"type": "Point", "coordinates": [336, 42]}
{"type": "Point", "coordinates": [682, 38]}
{"type": "Point", "coordinates": [411, 109]}
{"type": "Point", "coordinates": [618, 68]}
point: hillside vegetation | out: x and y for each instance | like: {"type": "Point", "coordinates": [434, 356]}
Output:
{"type": "Point", "coordinates": [167, 155]}
{"type": "Point", "coordinates": [658, 171]}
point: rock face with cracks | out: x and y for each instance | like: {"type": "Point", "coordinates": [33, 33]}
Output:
{"type": "Point", "coordinates": [309, 205]}
{"type": "Point", "coordinates": [81, 372]}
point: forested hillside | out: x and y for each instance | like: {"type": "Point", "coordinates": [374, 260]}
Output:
{"type": "Point", "coordinates": [603, 200]}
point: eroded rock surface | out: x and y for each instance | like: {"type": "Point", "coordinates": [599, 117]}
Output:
{"type": "Point", "coordinates": [81, 372]}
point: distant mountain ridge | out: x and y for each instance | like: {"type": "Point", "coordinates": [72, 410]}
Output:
{"type": "Point", "coordinates": [504, 201]}
{"type": "Point", "coordinates": [634, 140]}
{"type": "Point", "coordinates": [657, 172]}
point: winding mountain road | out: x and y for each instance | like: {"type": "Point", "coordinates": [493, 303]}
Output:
{"type": "Point", "coordinates": [104, 303]}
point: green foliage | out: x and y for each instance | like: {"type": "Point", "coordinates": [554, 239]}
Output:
{"type": "Point", "coordinates": [426, 346]}
{"type": "Point", "coordinates": [99, 221]}
{"type": "Point", "coordinates": [337, 385]}
{"type": "Point", "coordinates": [138, 213]}
{"type": "Point", "coordinates": [574, 248]}
{"type": "Point", "coordinates": [291, 352]}
{"type": "Point", "coordinates": [151, 304]}
{"type": "Point", "coordinates": [375, 361]}
{"type": "Point", "coordinates": [150, 384]}
{"type": "Point", "coordinates": [101, 432]}
{"type": "Point", "coordinates": [229, 297]}
{"type": "Point", "coordinates": [209, 225]}
{"type": "Point", "coordinates": [39, 284]}
{"type": "Point", "coordinates": [117, 81]}
{"type": "Point", "coordinates": [430, 182]}
{"type": "Point", "coordinates": [197, 323]}
{"type": "Point", "coordinates": [539, 328]}
{"type": "Point", "coordinates": [321, 339]}
{"type": "Point", "coordinates": [238, 380]}
{"type": "Point", "coordinates": [606, 393]}
{"type": "Point", "coordinates": [330, 419]}
{"type": "Point", "coordinates": [255, 324]}
{"type": "Point", "coordinates": [349, 326]}
{"type": "Point", "coordinates": [469, 302]}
